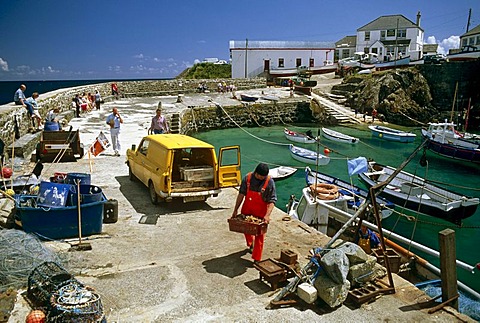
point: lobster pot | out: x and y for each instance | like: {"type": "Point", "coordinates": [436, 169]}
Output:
{"type": "Point", "coordinates": [44, 280]}
{"type": "Point", "coordinates": [110, 211]}
{"type": "Point", "coordinates": [75, 303]}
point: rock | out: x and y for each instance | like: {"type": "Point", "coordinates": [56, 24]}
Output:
{"type": "Point", "coordinates": [335, 263]}
{"type": "Point", "coordinates": [330, 292]}
{"type": "Point", "coordinates": [354, 253]}
{"type": "Point", "coordinates": [362, 272]}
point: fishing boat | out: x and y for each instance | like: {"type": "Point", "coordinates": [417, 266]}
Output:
{"type": "Point", "coordinates": [467, 53]}
{"type": "Point", "coordinates": [404, 61]}
{"type": "Point", "coordinates": [416, 194]}
{"type": "Point", "coordinates": [281, 172]}
{"type": "Point", "coordinates": [303, 138]}
{"type": "Point", "coordinates": [248, 98]}
{"type": "Point", "coordinates": [443, 139]}
{"type": "Point", "coordinates": [347, 189]}
{"type": "Point", "coordinates": [391, 134]}
{"type": "Point", "coordinates": [338, 136]}
{"type": "Point", "coordinates": [285, 72]}
{"type": "Point", "coordinates": [308, 156]}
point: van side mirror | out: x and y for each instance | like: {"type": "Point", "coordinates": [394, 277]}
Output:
{"type": "Point", "coordinates": [134, 147]}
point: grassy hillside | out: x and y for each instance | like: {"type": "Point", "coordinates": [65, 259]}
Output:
{"type": "Point", "coordinates": [207, 71]}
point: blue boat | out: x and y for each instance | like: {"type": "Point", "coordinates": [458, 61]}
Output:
{"type": "Point", "coordinates": [50, 223]}
{"type": "Point", "coordinates": [392, 134]}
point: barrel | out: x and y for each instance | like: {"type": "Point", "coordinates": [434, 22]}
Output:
{"type": "Point", "coordinates": [51, 126]}
{"type": "Point", "coordinates": [110, 211]}
{"type": "Point", "coordinates": [72, 178]}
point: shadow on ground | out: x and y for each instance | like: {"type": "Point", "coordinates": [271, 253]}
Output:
{"type": "Point", "coordinates": [232, 265]}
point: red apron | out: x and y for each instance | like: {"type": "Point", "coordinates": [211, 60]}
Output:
{"type": "Point", "coordinates": [254, 204]}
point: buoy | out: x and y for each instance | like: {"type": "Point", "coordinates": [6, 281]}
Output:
{"type": "Point", "coordinates": [6, 172]}
{"type": "Point", "coordinates": [326, 151]}
{"type": "Point", "coordinates": [10, 192]}
{"type": "Point", "coordinates": [35, 316]}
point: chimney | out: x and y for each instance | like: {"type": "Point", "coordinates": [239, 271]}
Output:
{"type": "Point", "coordinates": [418, 18]}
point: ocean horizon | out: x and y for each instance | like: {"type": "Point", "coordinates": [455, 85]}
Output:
{"type": "Point", "coordinates": [8, 88]}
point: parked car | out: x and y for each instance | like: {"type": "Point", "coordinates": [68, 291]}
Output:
{"type": "Point", "coordinates": [434, 59]}
{"type": "Point", "coordinates": [183, 167]}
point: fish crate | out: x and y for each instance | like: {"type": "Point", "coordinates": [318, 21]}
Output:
{"type": "Point", "coordinates": [392, 256]}
{"type": "Point", "coordinates": [239, 225]}
{"type": "Point", "coordinates": [196, 173]}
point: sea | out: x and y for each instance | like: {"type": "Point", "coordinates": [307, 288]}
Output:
{"type": "Point", "coordinates": [268, 144]}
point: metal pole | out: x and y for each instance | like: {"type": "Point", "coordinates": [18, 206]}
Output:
{"type": "Point", "coordinates": [246, 51]}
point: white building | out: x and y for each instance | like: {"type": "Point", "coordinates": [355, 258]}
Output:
{"type": "Point", "coordinates": [471, 38]}
{"type": "Point", "coordinates": [252, 58]}
{"type": "Point", "coordinates": [391, 36]}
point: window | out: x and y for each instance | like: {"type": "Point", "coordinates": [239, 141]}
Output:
{"type": "Point", "coordinates": [345, 53]}
{"type": "Point", "coordinates": [402, 33]}
{"type": "Point", "coordinates": [144, 147]}
{"type": "Point", "coordinates": [311, 62]}
{"type": "Point", "coordinates": [471, 41]}
{"type": "Point", "coordinates": [390, 32]}
{"type": "Point", "coordinates": [281, 62]}
{"type": "Point", "coordinates": [298, 62]}
{"type": "Point", "coordinates": [382, 34]}
{"type": "Point", "coordinates": [478, 40]}
{"type": "Point", "coordinates": [375, 50]}
{"type": "Point", "coordinates": [464, 42]}
{"type": "Point", "coordinates": [367, 35]}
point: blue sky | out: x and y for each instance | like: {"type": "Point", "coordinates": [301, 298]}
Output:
{"type": "Point", "coordinates": [121, 39]}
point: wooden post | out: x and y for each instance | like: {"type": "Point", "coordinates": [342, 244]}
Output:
{"type": "Point", "coordinates": [448, 267]}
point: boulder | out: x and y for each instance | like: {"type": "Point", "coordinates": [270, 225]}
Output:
{"type": "Point", "coordinates": [332, 293]}
{"type": "Point", "coordinates": [354, 253]}
{"type": "Point", "coordinates": [335, 263]}
{"type": "Point", "coordinates": [362, 272]}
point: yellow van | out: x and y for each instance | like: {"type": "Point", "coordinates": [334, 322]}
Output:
{"type": "Point", "coordinates": [180, 166]}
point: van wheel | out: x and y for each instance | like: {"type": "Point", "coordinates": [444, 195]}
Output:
{"type": "Point", "coordinates": [131, 176]}
{"type": "Point", "coordinates": [153, 194]}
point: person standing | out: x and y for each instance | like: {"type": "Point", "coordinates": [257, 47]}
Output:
{"type": "Point", "coordinates": [374, 114]}
{"type": "Point", "coordinates": [98, 100]}
{"type": "Point", "coordinates": [159, 123]}
{"type": "Point", "coordinates": [76, 105]}
{"type": "Point", "coordinates": [115, 90]}
{"type": "Point", "coordinates": [258, 194]}
{"type": "Point", "coordinates": [114, 120]}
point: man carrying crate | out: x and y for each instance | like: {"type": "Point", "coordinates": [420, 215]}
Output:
{"type": "Point", "coordinates": [258, 194]}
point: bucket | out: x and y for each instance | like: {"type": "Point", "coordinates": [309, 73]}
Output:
{"type": "Point", "coordinates": [84, 178]}
{"type": "Point", "coordinates": [88, 194]}
{"type": "Point", "coordinates": [110, 211]}
{"type": "Point", "coordinates": [51, 126]}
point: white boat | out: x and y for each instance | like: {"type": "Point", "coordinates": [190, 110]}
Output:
{"type": "Point", "coordinates": [304, 138]}
{"type": "Point", "coordinates": [392, 134]}
{"type": "Point", "coordinates": [404, 61]}
{"type": "Point", "coordinates": [467, 53]}
{"type": "Point", "coordinates": [281, 172]}
{"type": "Point", "coordinates": [308, 156]}
{"type": "Point", "coordinates": [416, 194]}
{"type": "Point", "coordinates": [338, 136]}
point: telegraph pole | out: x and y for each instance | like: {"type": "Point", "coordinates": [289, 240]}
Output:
{"type": "Point", "coordinates": [246, 50]}
{"type": "Point", "coordinates": [468, 21]}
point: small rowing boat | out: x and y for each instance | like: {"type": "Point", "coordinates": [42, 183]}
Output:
{"type": "Point", "coordinates": [392, 134]}
{"type": "Point", "coordinates": [338, 136]}
{"type": "Point", "coordinates": [308, 156]}
{"type": "Point", "coordinates": [304, 138]}
{"type": "Point", "coordinates": [281, 172]}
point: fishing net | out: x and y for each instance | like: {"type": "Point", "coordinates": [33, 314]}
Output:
{"type": "Point", "coordinates": [466, 305]}
{"type": "Point", "coordinates": [20, 253]}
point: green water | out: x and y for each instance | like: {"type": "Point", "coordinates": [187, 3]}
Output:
{"type": "Point", "coordinates": [270, 148]}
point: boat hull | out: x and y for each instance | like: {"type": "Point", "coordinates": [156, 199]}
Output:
{"type": "Point", "coordinates": [281, 172]}
{"type": "Point", "coordinates": [308, 157]}
{"type": "Point", "coordinates": [298, 137]}
{"type": "Point", "coordinates": [414, 194]}
{"type": "Point", "coordinates": [59, 223]}
{"type": "Point", "coordinates": [339, 137]}
{"type": "Point", "coordinates": [392, 134]}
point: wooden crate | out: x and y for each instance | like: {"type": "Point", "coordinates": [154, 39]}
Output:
{"type": "Point", "coordinates": [239, 225]}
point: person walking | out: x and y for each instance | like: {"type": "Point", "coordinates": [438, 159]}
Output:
{"type": "Point", "coordinates": [258, 194]}
{"type": "Point", "coordinates": [374, 114]}
{"type": "Point", "coordinates": [98, 100]}
{"type": "Point", "coordinates": [114, 120]}
{"type": "Point", "coordinates": [159, 123]}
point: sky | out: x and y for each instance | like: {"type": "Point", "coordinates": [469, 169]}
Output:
{"type": "Point", "coordinates": [157, 39]}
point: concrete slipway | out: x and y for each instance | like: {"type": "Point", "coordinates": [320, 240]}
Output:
{"type": "Point", "coordinates": [188, 267]}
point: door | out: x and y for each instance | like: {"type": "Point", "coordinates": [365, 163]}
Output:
{"type": "Point", "coordinates": [229, 173]}
{"type": "Point", "coordinates": [266, 65]}
{"type": "Point", "coordinates": [138, 161]}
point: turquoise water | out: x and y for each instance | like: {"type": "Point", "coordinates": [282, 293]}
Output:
{"type": "Point", "coordinates": [275, 152]}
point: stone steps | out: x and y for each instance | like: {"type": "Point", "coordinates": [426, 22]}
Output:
{"type": "Point", "coordinates": [342, 114]}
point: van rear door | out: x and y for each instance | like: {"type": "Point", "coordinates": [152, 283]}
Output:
{"type": "Point", "coordinates": [229, 173]}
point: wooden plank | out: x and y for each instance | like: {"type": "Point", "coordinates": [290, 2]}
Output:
{"type": "Point", "coordinates": [448, 266]}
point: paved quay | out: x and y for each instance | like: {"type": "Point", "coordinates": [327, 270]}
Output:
{"type": "Point", "coordinates": [188, 267]}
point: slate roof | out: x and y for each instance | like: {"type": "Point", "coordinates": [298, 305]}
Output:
{"type": "Point", "coordinates": [269, 44]}
{"type": "Point", "coordinates": [389, 22]}
{"type": "Point", "coordinates": [349, 41]}
{"type": "Point", "coordinates": [473, 31]}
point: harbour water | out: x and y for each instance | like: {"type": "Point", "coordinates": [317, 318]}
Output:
{"type": "Point", "coordinates": [268, 144]}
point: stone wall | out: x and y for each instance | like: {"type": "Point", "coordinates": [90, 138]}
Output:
{"type": "Point", "coordinates": [248, 115]}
